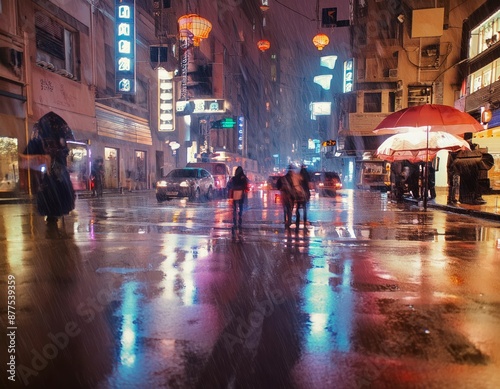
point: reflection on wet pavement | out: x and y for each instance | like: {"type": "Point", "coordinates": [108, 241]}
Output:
{"type": "Point", "coordinates": [128, 293]}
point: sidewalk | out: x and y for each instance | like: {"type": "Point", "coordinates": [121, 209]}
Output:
{"type": "Point", "coordinates": [490, 210]}
{"type": "Point", "coordinates": [26, 199]}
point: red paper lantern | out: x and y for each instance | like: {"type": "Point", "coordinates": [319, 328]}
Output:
{"type": "Point", "coordinates": [196, 25]}
{"type": "Point", "coordinates": [320, 41]}
{"type": "Point", "coordinates": [263, 45]}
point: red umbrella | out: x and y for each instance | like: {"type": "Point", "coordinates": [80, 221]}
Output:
{"type": "Point", "coordinates": [430, 117]}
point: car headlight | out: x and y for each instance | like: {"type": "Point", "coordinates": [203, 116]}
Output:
{"type": "Point", "coordinates": [162, 183]}
{"type": "Point", "coordinates": [184, 184]}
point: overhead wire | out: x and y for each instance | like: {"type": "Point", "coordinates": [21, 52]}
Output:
{"type": "Point", "coordinates": [293, 10]}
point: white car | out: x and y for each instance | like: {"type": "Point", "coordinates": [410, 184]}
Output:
{"type": "Point", "coordinates": [193, 183]}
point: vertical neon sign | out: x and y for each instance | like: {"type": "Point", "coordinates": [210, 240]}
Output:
{"type": "Point", "coordinates": [349, 75]}
{"type": "Point", "coordinates": [166, 119]}
{"type": "Point", "coordinates": [241, 132]}
{"type": "Point", "coordinates": [125, 46]}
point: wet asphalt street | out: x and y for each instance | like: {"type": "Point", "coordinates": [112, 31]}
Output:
{"type": "Point", "coordinates": [129, 293]}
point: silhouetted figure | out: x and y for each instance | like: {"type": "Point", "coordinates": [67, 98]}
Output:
{"type": "Point", "coordinates": [56, 196]}
{"type": "Point", "coordinates": [303, 196]}
{"type": "Point", "coordinates": [238, 186]}
{"type": "Point", "coordinates": [98, 177]}
{"type": "Point", "coordinates": [285, 186]}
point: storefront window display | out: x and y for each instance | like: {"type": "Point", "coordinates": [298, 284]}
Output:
{"type": "Point", "coordinates": [140, 165]}
{"type": "Point", "coordinates": [9, 165]}
{"type": "Point", "coordinates": [78, 165]}
{"type": "Point", "coordinates": [111, 167]}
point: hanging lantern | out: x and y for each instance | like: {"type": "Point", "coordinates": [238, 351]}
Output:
{"type": "Point", "coordinates": [263, 45]}
{"type": "Point", "coordinates": [320, 41]}
{"type": "Point", "coordinates": [196, 25]}
{"type": "Point", "coordinates": [264, 5]}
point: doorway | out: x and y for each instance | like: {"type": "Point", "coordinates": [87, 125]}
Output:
{"type": "Point", "coordinates": [140, 168]}
{"type": "Point", "coordinates": [111, 179]}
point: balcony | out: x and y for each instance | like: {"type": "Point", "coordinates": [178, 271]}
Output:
{"type": "Point", "coordinates": [489, 94]}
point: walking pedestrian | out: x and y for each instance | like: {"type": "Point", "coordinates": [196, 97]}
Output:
{"type": "Point", "coordinates": [56, 195]}
{"type": "Point", "coordinates": [97, 173]}
{"type": "Point", "coordinates": [130, 180]}
{"type": "Point", "coordinates": [238, 187]}
{"type": "Point", "coordinates": [285, 186]}
{"type": "Point", "coordinates": [304, 182]}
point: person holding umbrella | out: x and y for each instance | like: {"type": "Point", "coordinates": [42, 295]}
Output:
{"type": "Point", "coordinates": [56, 196]}
{"type": "Point", "coordinates": [426, 119]}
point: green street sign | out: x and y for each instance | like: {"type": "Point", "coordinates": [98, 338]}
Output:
{"type": "Point", "coordinates": [224, 123]}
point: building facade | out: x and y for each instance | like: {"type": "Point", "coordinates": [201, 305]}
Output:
{"type": "Point", "coordinates": [405, 53]}
{"type": "Point", "coordinates": [480, 92]}
{"type": "Point", "coordinates": [63, 57]}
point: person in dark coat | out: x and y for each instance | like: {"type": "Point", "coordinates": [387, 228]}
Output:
{"type": "Point", "coordinates": [285, 186]}
{"type": "Point", "coordinates": [56, 195]}
{"type": "Point", "coordinates": [304, 182]}
{"type": "Point", "coordinates": [238, 186]}
{"type": "Point", "coordinates": [98, 177]}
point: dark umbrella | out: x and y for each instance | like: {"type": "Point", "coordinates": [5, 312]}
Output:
{"type": "Point", "coordinates": [56, 196]}
{"type": "Point", "coordinates": [54, 132]}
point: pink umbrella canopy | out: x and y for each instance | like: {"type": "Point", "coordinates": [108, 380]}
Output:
{"type": "Point", "coordinates": [430, 117]}
{"type": "Point", "coordinates": [419, 146]}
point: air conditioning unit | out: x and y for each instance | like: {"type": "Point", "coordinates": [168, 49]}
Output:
{"type": "Point", "coordinates": [393, 73]}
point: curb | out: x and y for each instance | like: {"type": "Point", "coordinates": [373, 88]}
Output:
{"type": "Point", "coordinates": [79, 196]}
{"type": "Point", "coordinates": [461, 211]}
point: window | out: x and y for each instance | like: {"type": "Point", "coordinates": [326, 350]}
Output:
{"type": "Point", "coordinates": [9, 164]}
{"type": "Point", "coordinates": [372, 102]}
{"type": "Point", "coordinates": [55, 46]}
{"type": "Point", "coordinates": [485, 35]}
{"type": "Point", "coordinates": [392, 101]}
{"type": "Point", "coordinates": [485, 76]}
{"type": "Point", "coordinates": [8, 16]}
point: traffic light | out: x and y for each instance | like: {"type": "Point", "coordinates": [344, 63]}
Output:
{"type": "Point", "coordinates": [329, 142]}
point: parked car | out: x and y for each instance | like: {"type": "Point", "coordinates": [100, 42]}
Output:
{"type": "Point", "coordinates": [326, 183]}
{"type": "Point", "coordinates": [220, 172]}
{"type": "Point", "coordinates": [188, 182]}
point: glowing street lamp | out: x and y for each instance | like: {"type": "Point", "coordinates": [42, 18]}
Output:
{"type": "Point", "coordinates": [323, 80]}
{"type": "Point", "coordinates": [328, 61]}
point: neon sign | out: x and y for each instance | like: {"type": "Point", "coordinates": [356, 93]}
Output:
{"type": "Point", "coordinates": [241, 132]}
{"type": "Point", "coordinates": [125, 46]}
{"type": "Point", "coordinates": [166, 118]}
{"type": "Point", "coordinates": [349, 75]}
